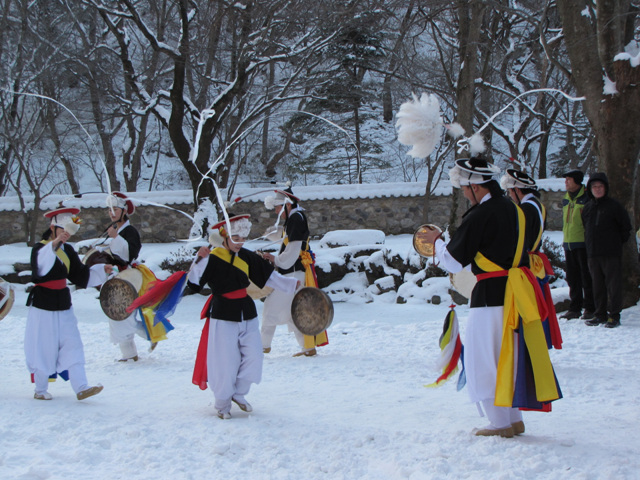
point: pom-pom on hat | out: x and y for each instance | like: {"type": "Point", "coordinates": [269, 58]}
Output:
{"type": "Point", "coordinates": [120, 200]}
{"type": "Point", "coordinates": [472, 170]}
{"type": "Point", "coordinates": [239, 224]}
{"type": "Point", "coordinates": [517, 179]}
{"type": "Point", "coordinates": [61, 216]}
{"type": "Point", "coordinates": [577, 176]}
{"type": "Point", "coordinates": [281, 197]}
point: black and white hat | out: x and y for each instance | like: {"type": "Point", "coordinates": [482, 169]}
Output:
{"type": "Point", "coordinates": [517, 179]}
{"type": "Point", "coordinates": [472, 170]}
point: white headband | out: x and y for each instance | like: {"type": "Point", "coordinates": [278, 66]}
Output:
{"type": "Point", "coordinates": [274, 200]}
{"type": "Point", "coordinates": [460, 177]}
{"type": "Point", "coordinates": [114, 201]}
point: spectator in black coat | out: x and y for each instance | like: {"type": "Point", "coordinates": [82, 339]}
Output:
{"type": "Point", "coordinates": [606, 228]}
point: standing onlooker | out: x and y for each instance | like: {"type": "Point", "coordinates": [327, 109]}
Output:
{"type": "Point", "coordinates": [575, 252]}
{"type": "Point", "coordinates": [606, 228]}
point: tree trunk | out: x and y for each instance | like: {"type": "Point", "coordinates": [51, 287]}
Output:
{"type": "Point", "coordinates": [612, 116]}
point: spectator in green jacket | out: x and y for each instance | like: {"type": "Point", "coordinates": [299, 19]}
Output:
{"type": "Point", "coordinates": [575, 252]}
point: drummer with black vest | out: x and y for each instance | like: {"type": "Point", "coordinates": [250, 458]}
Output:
{"type": "Point", "coordinates": [230, 357]}
{"type": "Point", "coordinates": [52, 341]}
{"type": "Point", "coordinates": [503, 303]}
{"type": "Point", "coordinates": [125, 246]}
{"type": "Point", "coordinates": [294, 260]}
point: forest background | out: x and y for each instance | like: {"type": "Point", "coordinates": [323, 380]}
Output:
{"type": "Point", "coordinates": [101, 95]}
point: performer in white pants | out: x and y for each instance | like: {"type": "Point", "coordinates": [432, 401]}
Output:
{"type": "Point", "coordinates": [230, 354]}
{"type": "Point", "coordinates": [52, 340]}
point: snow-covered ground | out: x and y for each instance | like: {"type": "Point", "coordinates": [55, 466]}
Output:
{"type": "Point", "coordinates": [358, 410]}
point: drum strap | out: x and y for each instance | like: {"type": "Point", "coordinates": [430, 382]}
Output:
{"type": "Point", "coordinates": [59, 284]}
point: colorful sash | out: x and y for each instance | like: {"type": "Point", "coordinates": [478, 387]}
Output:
{"type": "Point", "coordinates": [524, 308]}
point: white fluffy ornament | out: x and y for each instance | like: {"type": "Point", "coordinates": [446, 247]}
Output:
{"type": "Point", "coordinates": [455, 130]}
{"type": "Point", "coordinates": [419, 125]}
{"type": "Point", "coordinates": [476, 144]}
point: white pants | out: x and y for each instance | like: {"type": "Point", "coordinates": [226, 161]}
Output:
{"type": "Point", "coordinates": [234, 360]}
{"type": "Point", "coordinates": [277, 311]}
{"type": "Point", "coordinates": [483, 341]}
{"type": "Point", "coordinates": [122, 332]}
{"type": "Point", "coordinates": [52, 344]}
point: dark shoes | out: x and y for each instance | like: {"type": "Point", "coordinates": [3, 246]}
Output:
{"type": "Point", "coordinates": [594, 322]}
{"type": "Point", "coordinates": [571, 315]}
{"type": "Point", "coordinates": [611, 323]}
{"type": "Point", "coordinates": [587, 315]}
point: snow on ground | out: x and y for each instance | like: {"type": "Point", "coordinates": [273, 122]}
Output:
{"type": "Point", "coordinates": [358, 410]}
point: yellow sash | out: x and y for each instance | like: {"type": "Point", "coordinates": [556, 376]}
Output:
{"type": "Point", "coordinates": [61, 254]}
{"type": "Point", "coordinates": [521, 305]}
{"type": "Point", "coordinates": [225, 255]}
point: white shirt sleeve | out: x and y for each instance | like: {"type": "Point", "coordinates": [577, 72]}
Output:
{"type": "Point", "coordinates": [97, 276]}
{"type": "Point", "coordinates": [282, 283]}
{"type": "Point", "coordinates": [289, 255]}
{"type": "Point", "coordinates": [120, 247]}
{"type": "Point", "coordinates": [46, 259]}
{"type": "Point", "coordinates": [449, 263]}
{"type": "Point", "coordinates": [197, 270]}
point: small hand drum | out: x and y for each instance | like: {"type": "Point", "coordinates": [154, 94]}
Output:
{"type": "Point", "coordinates": [424, 248]}
{"type": "Point", "coordinates": [312, 311]}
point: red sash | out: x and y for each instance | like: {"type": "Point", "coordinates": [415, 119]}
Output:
{"type": "Point", "coordinates": [59, 284]}
{"type": "Point", "coordinates": [200, 369]}
{"type": "Point", "coordinates": [499, 273]}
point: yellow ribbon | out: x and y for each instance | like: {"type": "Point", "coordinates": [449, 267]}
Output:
{"type": "Point", "coordinates": [61, 254]}
{"type": "Point", "coordinates": [520, 303]}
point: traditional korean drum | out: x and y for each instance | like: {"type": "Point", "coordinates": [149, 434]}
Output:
{"type": "Point", "coordinates": [258, 293]}
{"type": "Point", "coordinates": [311, 310]}
{"type": "Point", "coordinates": [463, 282]}
{"type": "Point", "coordinates": [95, 256]}
{"type": "Point", "coordinates": [119, 292]}
{"type": "Point", "coordinates": [7, 297]}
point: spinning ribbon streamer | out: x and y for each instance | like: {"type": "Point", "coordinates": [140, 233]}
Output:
{"type": "Point", "coordinates": [450, 351]}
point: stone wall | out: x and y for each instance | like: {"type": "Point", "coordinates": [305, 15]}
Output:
{"type": "Point", "coordinates": [392, 215]}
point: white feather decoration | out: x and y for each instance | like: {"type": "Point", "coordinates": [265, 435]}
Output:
{"type": "Point", "coordinates": [420, 125]}
{"type": "Point", "coordinates": [476, 144]}
{"type": "Point", "coordinates": [455, 130]}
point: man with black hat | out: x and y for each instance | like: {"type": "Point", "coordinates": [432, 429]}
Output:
{"type": "Point", "coordinates": [293, 260]}
{"type": "Point", "coordinates": [491, 240]}
{"type": "Point", "coordinates": [575, 252]}
{"type": "Point", "coordinates": [606, 228]}
{"type": "Point", "coordinates": [52, 342]}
